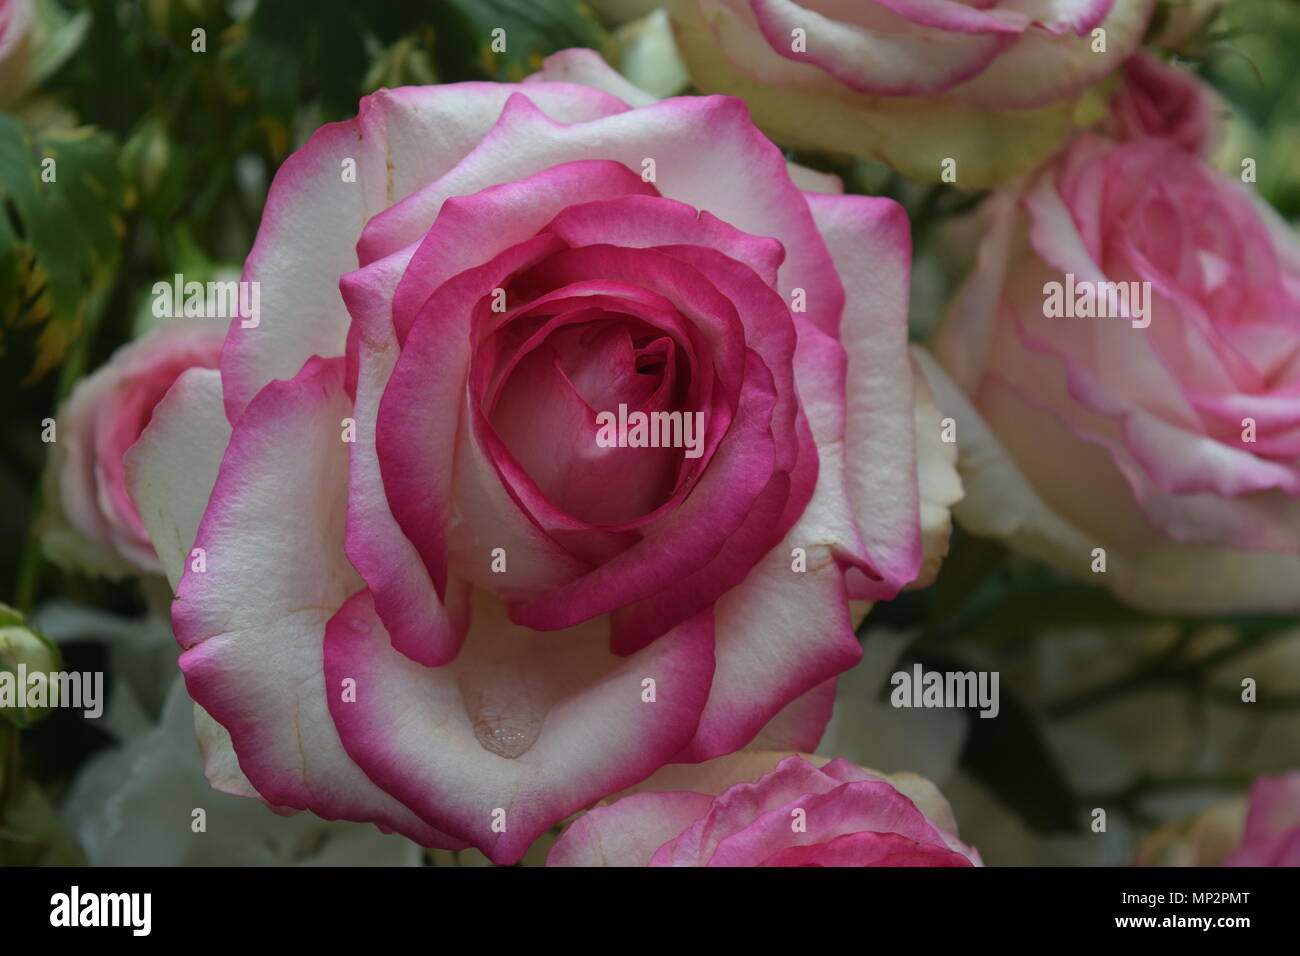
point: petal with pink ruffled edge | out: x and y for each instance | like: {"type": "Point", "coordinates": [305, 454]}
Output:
{"type": "Point", "coordinates": [400, 141]}
{"type": "Point", "coordinates": [711, 814]}
{"type": "Point", "coordinates": [870, 241]}
{"type": "Point", "coordinates": [254, 657]}
{"type": "Point", "coordinates": [865, 849]}
{"type": "Point", "coordinates": [1042, 68]}
{"type": "Point", "coordinates": [522, 729]}
{"type": "Point", "coordinates": [468, 231]}
{"type": "Point", "coordinates": [1038, 487]}
{"type": "Point", "coordinates": [699, 144]}
{"type": "Point", "coordinates": [886, 55]}
{"type": "Point", "coordinates": [628, 832]}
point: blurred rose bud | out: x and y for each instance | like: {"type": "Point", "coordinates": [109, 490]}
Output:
{"type": "Point", "coordinates": [23, 652]}
{"type": "Point", "coordinates": [1157, 99]}
{"type": "Point", "coordinates": [94, 429]}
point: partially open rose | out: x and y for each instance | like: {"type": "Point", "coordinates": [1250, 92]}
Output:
{"type": "Point", "coordinates": [103, 417]}
{"type": "Point", "coordinates": [979, 91]}
{"type": "Point", "coordinates": [1125, 366]}
{"type": "Point", "coordinates": [428, 589]}
{"type": "Point", "coordinates": [1167, 102]}
{"type": "Point", "coordinates": [769, 809]}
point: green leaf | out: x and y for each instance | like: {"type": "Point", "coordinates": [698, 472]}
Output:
{"type": "Point", "coordinates": [31, 833]}
{"type": "Point", "coordinates": [297, 49]}
{"type": "Point", "coordinates": [533, 29]}
{"type": "Point", "coordinates": [61, 239]}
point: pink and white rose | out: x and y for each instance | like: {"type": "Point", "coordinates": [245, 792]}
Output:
{"type": "Point", "coordinates": [993, 86]}
{"type": "Point", "coordinates": [1262, 829]}
{"type": "Point", "coordinates": [428, 598]}
{"type": "Point", "coordinates": [1272, 833]}
{"type": "Point", "coordinates": [1171, 440]}
{"type": "Point", "coordinates": [769, 809]}
{"type": "Point", "coordinates": [103, 417]}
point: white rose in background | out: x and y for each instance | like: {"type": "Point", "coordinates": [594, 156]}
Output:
{"type": "Point", "coordinates": [138, 805]}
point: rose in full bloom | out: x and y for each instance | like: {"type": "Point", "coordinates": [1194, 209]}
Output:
{"type": "Point", "coordinates": [17, 27]}
{"type": "Point", "coordinates": [992, 87]}
{"type": "Point", "coordinates": [769, 809]}
{"type": "Point", "coordinates": [1262, 830]}
{"type": "Point", "coordinates": [423, 592]}
{"type": "Point", "coordinates": [1167, 435]}
{"type": "Point", "coordinates": [101, 420]}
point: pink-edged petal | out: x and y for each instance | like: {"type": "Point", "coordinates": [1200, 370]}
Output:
{"type": "Point", "coordinates": [629, 831]}
{"type": "Point", "coordinates": [1043, 67]}
{"type": "Point", "coordinates": [423, 451]}
{"type": "Point", "coordinates": [172, 467]}
{"type": "Point", "coordinates": [641, 222]}
{"type": "Point", "coordinates": [866, 805]}
{"type": "Point", "coordinates": [252, 619]}
{"type": "Point", "coordinates": [588, 68]}
{"type": "Point", "coordinates": [470, 230]}
{"type": "Point", "coordinates": [739, 805]}
{"type": "Point", "coordinates": [522, 729]}
{"type": "Point", "coordinates": [697, 143]}
{"type": "Point", "coordinates": [866, 849]}
{"type": "Point", "coordinates": [800, 724]}
{"type": "Point", "coordinates": [780, 633]}
{"type": "Point", "coordinates": [400, 141]}
{"type": "Point", "coordinates": [885, 58]}
{"type": "Point", "coordinates": [870, 242]}
{"type": "Point", "coordinates": [422, 626]}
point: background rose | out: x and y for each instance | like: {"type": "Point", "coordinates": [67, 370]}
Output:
{"type": "Point", "coordinates": [102, 418]}
{"type": "Point", "coordinates": [713, 815]}
{"type": "Point", "coordinates": [996, 86]}
{"type": "Point", "coordinates": [371, 560]}
{"type": "Point", "coordinates": [1262, 830]}
{"type": "Point", "coordinates": [1167, 102]}
{"type": "Point", "coordinates": [1078, 433]}
{"type": "Point", "coordinates": [1272, 836]}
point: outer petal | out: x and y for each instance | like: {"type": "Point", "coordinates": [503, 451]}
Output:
{"type": "Point", "coordinates": [1042, 68]}
{"type": "Point", "coordinates": [780, 633]}
{"type": "Point", "coordinates": [588, 68]}
{"type": "Point", "coordinates": [887, 58]}
{"type": "Point", "coordinates": [171, 468]}
{"type": "Point", "coordinates": [255, 656]}
{"type": "Point", "coordinates": [522, 729]}
{"type": "Point", "coordinates": [628, 832]}
{"type": "Point", "coordinates": [871, 244]}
